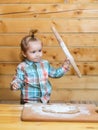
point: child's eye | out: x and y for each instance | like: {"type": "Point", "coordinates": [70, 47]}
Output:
{"type": "Point", "coordinates": [33, 51]}
{"type": "Point", "coordinates": [40, 50]}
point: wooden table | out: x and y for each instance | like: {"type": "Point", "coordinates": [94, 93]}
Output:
{"type": "Point", "coordinates": [10, 120]}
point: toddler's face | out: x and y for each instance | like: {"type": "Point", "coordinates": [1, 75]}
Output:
{"type": "Point", "coordinates": [34, 51]}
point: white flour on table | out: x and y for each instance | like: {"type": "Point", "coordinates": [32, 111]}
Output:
{"type": "Point", "coordinates": [62, 109]}
{"type": "Point", "coordinates": [58, 110]}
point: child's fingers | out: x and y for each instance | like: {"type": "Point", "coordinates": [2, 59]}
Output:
{"type": "Point", "coordinates": [67, 61]}
{"type": "Point", "coordinates": [14, 86]}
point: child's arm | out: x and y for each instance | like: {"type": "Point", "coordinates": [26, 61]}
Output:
{"type": "Point", "coordinates": [17, 81]}
{"type": "Point", "coordinates": [57, 73]}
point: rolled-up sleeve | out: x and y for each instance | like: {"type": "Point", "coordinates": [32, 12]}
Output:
{"type": "Point", "coordinates": [56, 73]}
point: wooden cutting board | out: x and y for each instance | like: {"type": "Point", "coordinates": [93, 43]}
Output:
{"type": "Point", "coordinates": [34, 112]}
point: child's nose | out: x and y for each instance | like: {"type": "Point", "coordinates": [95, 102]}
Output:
{"type": "Point", "coordinates": [38, 54]}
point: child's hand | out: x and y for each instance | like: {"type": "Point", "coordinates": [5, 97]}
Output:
{"type": "Point", "coordinates": [66, 64]}
{"type": "Point", "coordinates": [14, 86]}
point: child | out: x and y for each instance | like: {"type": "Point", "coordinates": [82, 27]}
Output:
{"type": "Point", "coordinates": [32, 73]}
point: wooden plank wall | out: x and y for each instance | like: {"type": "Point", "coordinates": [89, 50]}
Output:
{"type": "Point", "coordinates": [82, 1]}
{"type": "Point", "coordinates": [77, 23]}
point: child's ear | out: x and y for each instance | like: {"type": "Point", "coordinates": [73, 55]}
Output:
{"type": "Point", "coordinates": [23, 54]}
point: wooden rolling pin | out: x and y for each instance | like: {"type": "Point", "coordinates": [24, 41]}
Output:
{"type": "Point", "coordinates": [66, 51]}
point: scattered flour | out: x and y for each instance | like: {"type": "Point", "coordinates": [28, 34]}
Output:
{"type": "Point", "coordinates": [62, 109]}
{"type": "Point", "coordinates": [59, 110]}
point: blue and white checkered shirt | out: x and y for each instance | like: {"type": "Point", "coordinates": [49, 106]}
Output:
{"type": "Point", "coordinates": [32, 79]}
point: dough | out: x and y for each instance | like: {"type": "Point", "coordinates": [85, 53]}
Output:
{"type": "Point", "coordinates": [60, 108]}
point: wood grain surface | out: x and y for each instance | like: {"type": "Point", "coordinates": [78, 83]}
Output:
{"type": "Point", "coordinates": [86, 113]}
{"type": "Point", "coordinates": [10, 119]}
{"type": "Point", "coordinates": [77, 24]}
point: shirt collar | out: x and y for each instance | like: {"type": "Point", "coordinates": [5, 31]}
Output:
{"type": "Point", "coordinates": [31, 62]}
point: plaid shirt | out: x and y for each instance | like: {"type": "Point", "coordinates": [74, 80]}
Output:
{"type": "Point", "coordinates": [32, 79]}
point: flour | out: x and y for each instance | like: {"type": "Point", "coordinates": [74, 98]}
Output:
{"type": "Point", "coordinates": [58, 110]}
